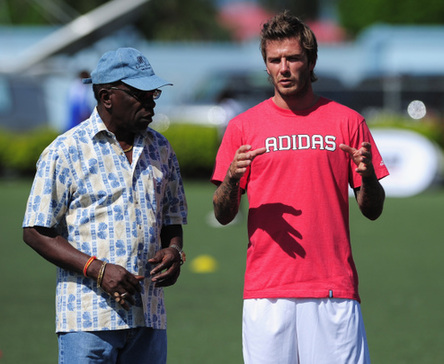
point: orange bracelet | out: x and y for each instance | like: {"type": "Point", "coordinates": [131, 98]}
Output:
{"type": "Point", "coordinates": [87, 264]}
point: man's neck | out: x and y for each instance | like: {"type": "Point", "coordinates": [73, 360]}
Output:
{"type": "Point", "coordinates": [296, 102]}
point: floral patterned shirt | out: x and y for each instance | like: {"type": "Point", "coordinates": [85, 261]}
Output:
{"type": "Point", "coordinates": [86, 188]}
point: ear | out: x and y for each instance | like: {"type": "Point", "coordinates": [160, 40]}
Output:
{"type": "Point", "coordinates": [105, 98]}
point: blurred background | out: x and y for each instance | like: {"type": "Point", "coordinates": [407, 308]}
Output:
{"type": "Point", "coordinates": [383, 58]}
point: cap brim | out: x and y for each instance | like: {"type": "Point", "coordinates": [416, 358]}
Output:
{"type": "Point", "coordinates": [147, 83]}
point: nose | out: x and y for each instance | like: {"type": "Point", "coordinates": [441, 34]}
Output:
{"type": "Point", "coordinates": [148, 102]}
{"type": "Point", "coordinates": [284, 66]}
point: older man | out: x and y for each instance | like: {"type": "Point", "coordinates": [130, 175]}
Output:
{"type": "Point", "coordinates": [107, 207]}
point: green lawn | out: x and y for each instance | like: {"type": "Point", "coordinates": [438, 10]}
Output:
{"type": "Point", "coordinates": [398, 259]}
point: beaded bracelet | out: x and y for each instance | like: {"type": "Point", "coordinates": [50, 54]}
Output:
{"type": "Point", "coordinates": [87, 264]}
{"type": "Point", "coordinates": [101, 273]}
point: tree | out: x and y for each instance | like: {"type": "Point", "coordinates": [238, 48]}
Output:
{"type": "Point", "coordinates": [304, 9]}
{"type": "Point", "coordinates": [42, 12]}
{"type": "Point", "coordinates": [169, 20]}
{"type": "Point", "coordinates": [356, 15]}
{"type": "Point", "coordinates": [172, 20]}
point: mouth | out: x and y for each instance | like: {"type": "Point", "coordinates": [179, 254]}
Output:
{"type": "Point", "coordinates": [285, 82]}
{"type": "Point", "coordinates": [148, 116]}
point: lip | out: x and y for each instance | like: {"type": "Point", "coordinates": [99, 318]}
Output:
{"type": "Point", "coordinates": [285, 82]}
{"type": "Point", "coordinates": [148, 116]}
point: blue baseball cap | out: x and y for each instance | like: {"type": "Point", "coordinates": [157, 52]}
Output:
{"type": "Point", "coordinates": [129, 66]}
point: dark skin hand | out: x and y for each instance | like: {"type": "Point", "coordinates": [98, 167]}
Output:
{"type": "Point", "coordinates": [167, 260]}
{"type": "Point", "coordinates": [125, 116]}
{"type": "Point", "coordinates": [116, 279]}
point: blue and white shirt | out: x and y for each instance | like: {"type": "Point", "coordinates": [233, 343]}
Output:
{"type": "Point", "coordinates": [86, 188]}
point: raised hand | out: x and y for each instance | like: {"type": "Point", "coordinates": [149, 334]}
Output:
{"type": "Point", "coordinates": [242, 159]}
{"type": "Point", "coordinates": [362, 157]}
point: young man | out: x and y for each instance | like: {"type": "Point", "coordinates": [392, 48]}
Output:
{"type": "Point", "coordinates": [107, 207]}
{"type": "Point", "coordinates": [295, 155]}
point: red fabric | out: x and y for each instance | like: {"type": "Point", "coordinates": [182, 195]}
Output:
{"type": "Point", "coordinates": [299, 241]}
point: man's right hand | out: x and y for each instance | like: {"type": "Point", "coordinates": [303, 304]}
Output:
{"type": "Point", "coordinates": [121, 285]}
{"type": "Point", "coordinates": [242, 159]}
{"type": "Point", "coordinates": [226, 198]}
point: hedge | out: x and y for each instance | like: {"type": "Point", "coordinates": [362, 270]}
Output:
{"type": "Point", "coordinates": [431, 128]}
{"type": "Point", "coordinates": [20, 151]}
{"type": "Point", "coordinates": [195, 146]}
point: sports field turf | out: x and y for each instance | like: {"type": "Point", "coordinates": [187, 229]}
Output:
{"type": "Point", "coordinates": [399, 259]}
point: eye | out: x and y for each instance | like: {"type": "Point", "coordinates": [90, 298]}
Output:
{"type": "Point", "coordinates": [156, 94]}
{"type": "Point", "coordinates": [138, 94]}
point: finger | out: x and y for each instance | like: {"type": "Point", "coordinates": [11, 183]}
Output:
{"type": "Point", "coordinates": [258, 151]}
{"type": "Point", "coordinates": [165, 280]}
{"type": "Point", "coordinates": [162, 275]}
{"type": "Point", "coordinates": [367, 146]}
{"type": "Point", "coordinates": [123, 298]}
{"type": "Point", "coordinates": [126, 297]}
{"type": "Point", "coordinates": [164, 269]}
{"type": "Point", "coordinates": [347, 149]}
{"type": "Point", "coordinates": [243, 148]}
{"type": "Point", "coordinates": [124, 305]}
{"type": "Point", "coordinates": [158, 269]}
{"type": "Point", "coordinates": [242, 163]}
{"type": "Point", "coordinates": [117, 297]}
{"type": "Point", "coordinates": [134, 284]}
{"type": "Point", "coordinates": [243, 158]}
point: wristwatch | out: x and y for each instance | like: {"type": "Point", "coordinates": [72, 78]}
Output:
{"type": "Point", "coordinates": [182, 255]}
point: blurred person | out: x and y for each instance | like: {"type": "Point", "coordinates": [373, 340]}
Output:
{"type": "Point", "coordinates": [80, 101]}
{"type": "Point", "coordinates": [295, 155]}
{"type": "Point", "coordinates": [107, 207]}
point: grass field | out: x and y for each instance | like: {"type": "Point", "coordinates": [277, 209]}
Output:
{"type": "Point", "coordinates": [399, 259]}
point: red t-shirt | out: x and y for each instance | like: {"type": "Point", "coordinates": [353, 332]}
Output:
{"type": "Point", "coordinates": [298, 222]}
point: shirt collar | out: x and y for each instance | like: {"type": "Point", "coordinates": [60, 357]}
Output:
{"type": "Point", "coordinates": [99, 127]}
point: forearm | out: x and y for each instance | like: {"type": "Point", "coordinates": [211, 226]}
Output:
{"type": "Point", "coordinates": [226, 200]}
{"type": "Point", "coordinates": [171, 235]}
{"type": "Point", "coordinates": [60, 252]}
{"type": "Point", "coordinates": [370, 197]}
{"type": "Point", "coordinates": [54, 248]}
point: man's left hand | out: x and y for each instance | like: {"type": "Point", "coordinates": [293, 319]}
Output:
{"type": "Point", "coordinates": [362, 157]}
{"type": "Point", "coordinates": [167, 269]}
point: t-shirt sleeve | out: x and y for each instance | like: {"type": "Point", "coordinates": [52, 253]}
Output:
{"type": "Point", "coordinates": [363, 134]}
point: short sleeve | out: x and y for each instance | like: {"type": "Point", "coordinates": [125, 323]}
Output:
{"type": "Point", "coordinates": [361, 135]}
{"type": "Point", "coordinates": [48, 200]}
{"type": "Point", "coordinates": [231, 142]}
{"type": "Point", "coordinates": [175, 205]}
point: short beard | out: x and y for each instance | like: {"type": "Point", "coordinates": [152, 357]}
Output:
{"type": "Point", "coordinates": [300, 93]}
